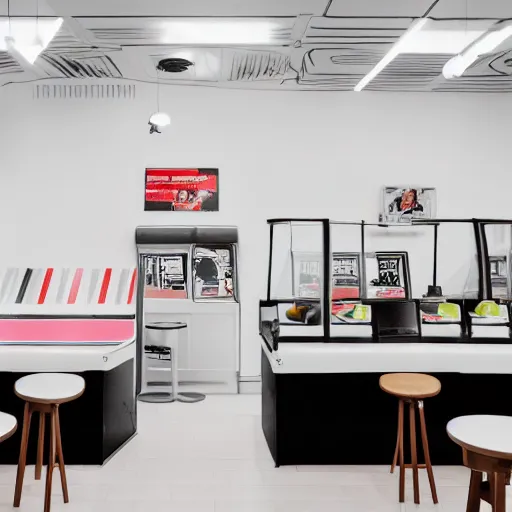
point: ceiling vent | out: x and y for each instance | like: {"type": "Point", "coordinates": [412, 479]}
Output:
{"type": "Point", "coordinates": [84, 92]}
{"type": "Point", "coordinates": [174, 65]}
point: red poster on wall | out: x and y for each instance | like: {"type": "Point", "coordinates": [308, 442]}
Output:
{"type": "Point", "coordinates": [182, 190]}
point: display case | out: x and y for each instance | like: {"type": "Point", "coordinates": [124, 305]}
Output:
{"type": "Point", "coordinates": [428, 281]}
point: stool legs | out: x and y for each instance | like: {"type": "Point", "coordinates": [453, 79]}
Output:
{"type": "Point", "coordinates": [40, 446]}
{"type": "Point", "coordinates": [51, 463]}
{"type": "Point", "coordinates": [399, 434]}
{"type": "Point", "coordinates": [55, 457]}
{"type": "Point", "coordinates": [60, 455]}
{"type": "Point", "coordinates": [426, 452]}
{"type": "Point", "coordinates": [27, 416]}
{"type": "Point", "coordinates": [399, 451]}
{"type": "Point", "coordinates": [414, 454]}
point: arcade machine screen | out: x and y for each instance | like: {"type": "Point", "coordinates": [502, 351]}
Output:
{"type": "Point", "coordinates": [345, 276]}
{"type": "Point", "coordinates": [165, 277]}
{"type": "Point", "coordinates": [213, 273]}
{"type": "Point", "coordinates": [386, 275]}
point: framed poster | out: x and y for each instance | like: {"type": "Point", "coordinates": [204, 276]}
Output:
{"type": "Point", "coordinates": [182, 190]}
{"type": "Point", "coordinates": [402, 204]}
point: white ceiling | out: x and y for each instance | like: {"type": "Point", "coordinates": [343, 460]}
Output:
{"type": "Point", "coordinates": [168, 7]}
{"type": "Point", "coordinates": [313, 45]}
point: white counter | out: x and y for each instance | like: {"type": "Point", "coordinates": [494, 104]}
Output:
{"type": "Point", "coordinates": [390, 357]}
{"type": "Point", "coordinates": [44, 358]}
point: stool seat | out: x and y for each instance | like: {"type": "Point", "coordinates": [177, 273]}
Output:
{"type": "Point", "coordinates": [8, 426]}
{"type": "Point", "coordinates": [410, 385]}
{"type": "Point", "coordinates": [483, 434]}
{"type": "Point", "coordinates": [50, 388]}
{"type": "Point", "coordinates": [166, 326]}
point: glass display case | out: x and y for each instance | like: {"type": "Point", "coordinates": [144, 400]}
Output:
{"type": "Point", "coordinates": [338, 281]}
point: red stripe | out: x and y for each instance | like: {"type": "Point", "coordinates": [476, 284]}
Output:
{"type": "Point", "coordinates": [104, 286]}
{"type": "Point", "coordinates": [132, 286]}
{"type": "Point", "coordinates": [75, 285]}
{"type": "Point", "coordinates": [46, 284]}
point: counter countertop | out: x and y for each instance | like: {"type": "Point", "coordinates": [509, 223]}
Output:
{"type": "Point", "coordinates": [52, 358]}
{"type": "Point", "coordinates": [390, 357]}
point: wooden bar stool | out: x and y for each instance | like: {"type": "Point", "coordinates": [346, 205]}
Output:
{"type": "Point", "coordinates": [486, 448]}
{"type": "Point", "coordinates": [411, 388]}
{"type": "Point", "coordinates": [43, 393]}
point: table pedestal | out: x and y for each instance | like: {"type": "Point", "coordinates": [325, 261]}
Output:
{"type": "Point", "coordinates": [493, 490]}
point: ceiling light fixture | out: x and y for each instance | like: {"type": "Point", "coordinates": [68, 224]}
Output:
{"type": "Point", "coordinates": [397, 48]}
{"type": "Point", "coordinates": [28, 36]}
{"type": "Point", "coordinates": [440, 39]}
{"type": "Point", "coordinates": [486, 43]}
{"type": "Point", "coordinates": [220, 31]}
{"type": "Point", "coordinates": [157, 121]}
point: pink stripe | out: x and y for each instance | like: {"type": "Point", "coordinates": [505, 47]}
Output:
{"type": "Point", "coordinates": [72, 331]}
{"type": "Point", "coordinates": [104, 286]}
{"type": "Point", "coordinates": [46, 284]}
{"type": "Point", "coordinates": [75, 285]}
{"type": "Point", "coordinates": [132, 286]}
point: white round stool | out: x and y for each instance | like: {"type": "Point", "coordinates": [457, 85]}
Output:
{"type": "Point", "coordinates": [169, 338]}
{"type": "Point", "coordinates": [486, 443]}
{"type": "Point", "coordinates": [43, 393]}
{"type": "Point", "coordinates": [8, 425]}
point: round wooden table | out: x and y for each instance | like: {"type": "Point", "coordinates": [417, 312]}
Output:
{"type": "Point", "coordinates": [486, 443]}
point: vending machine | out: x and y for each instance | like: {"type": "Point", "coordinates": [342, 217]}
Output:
{"type": "Point", "coordinates": [191, 276]}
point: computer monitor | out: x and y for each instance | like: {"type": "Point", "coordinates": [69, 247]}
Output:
{"type": "Point", "coordinates": [395, 318]}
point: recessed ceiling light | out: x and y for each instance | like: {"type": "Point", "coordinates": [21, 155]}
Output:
{"type": "Point", "coordinates": [220, 31]}
{"type": "Point", "coordinates": [393, 52]}
{"type": "Point", "coordinates": [427, 36]}
{"type": "Point", "coordinates": [28, 36]}
{"type": "Point", "coordinates": [486, 43]}
{"type": "Point", "coordinates": [438, 40]}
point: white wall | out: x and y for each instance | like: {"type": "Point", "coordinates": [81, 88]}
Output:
{"type": "Point", "coordinates": [72, 173]}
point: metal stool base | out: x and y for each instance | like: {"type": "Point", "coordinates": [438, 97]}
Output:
{"type": "Point", "coordinates": [156, 397]}
{"type": "Point", "coordinates": [190, 397]}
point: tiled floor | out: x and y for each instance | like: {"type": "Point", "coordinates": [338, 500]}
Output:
{"type": "Point", "coordinates": [211, 457]}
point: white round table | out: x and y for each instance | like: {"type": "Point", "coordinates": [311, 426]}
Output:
{"type": "Point", "coordinates": [8, 425]}
{"type": "Point", "coordinates": [486, 443]}
{"type": "Point", "coordinates": [169, 338]}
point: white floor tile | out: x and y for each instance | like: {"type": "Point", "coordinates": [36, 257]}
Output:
{"type": "Point", "coordinates": [212, 457]}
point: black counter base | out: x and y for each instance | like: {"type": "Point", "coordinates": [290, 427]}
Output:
{"type": "Point", "coordinates": [345, 418]}
{"type": "Point", "coordinates": [93, 427]}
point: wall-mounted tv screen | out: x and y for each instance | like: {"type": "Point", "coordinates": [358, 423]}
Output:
{"type": "Point", "coordinates": [182, 190]}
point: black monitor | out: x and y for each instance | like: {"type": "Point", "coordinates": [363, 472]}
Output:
{"type": "Point", "coordinates": [395, 319]}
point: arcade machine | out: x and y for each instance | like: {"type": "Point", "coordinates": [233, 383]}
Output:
{"type": "Point", "coordinates": [77, 320]}
{"type": "Point", "coordinates": [423, 297]}
{"type": "Point", "coordinates": [190, 277]}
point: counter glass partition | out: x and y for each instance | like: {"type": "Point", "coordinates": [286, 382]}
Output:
{"type": "Point", "coordinates": [499, 250]}
{"type": "Point", "coordinates": [297, 276]}
{"type": "Point", "coordinates": [445, 267]}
